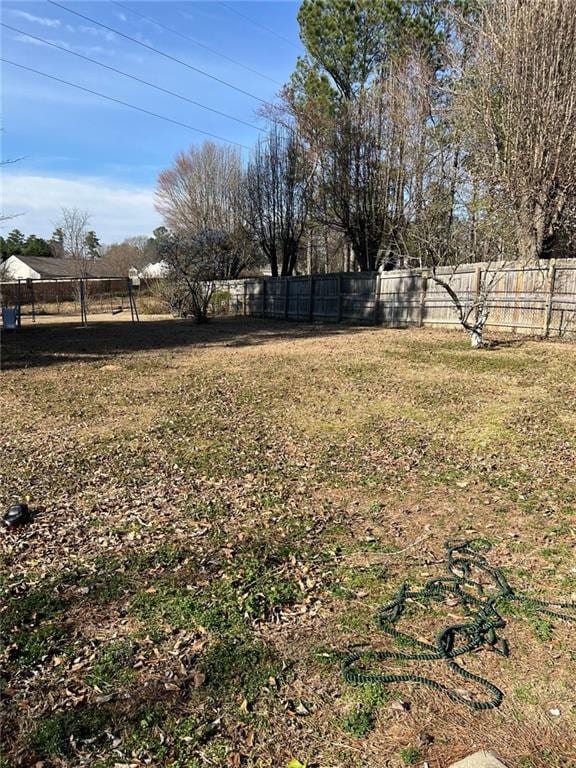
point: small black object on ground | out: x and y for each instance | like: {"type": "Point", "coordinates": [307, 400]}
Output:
{"type": "Point", "coordinates": [17, 514]}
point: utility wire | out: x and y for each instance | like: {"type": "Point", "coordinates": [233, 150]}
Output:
{"type": "Point", "coordinates": [258, 24]}
{"type": "Point", "coordinates": [123, 103]}
{"type": "Point", "coordinates": [157, 50]}
{"type": "Point", "coordinates": [196, 42]}
{"type": "Point", "coordinates": [132, 77]}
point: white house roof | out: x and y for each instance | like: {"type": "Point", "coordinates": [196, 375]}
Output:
{"type": "Point", "coordinates": [39, 267]}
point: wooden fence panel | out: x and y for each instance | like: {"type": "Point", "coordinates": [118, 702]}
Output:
{"type": "Point", "coordinates": [326, 298]}
{"type": "Point", "coordinates": [518, 298]}
{"type": "Point", "coordinates": [538, 299]}
{"type": "Point", "coordinates": [400, 299]}
{"type": "Point", "coordinates": [438, 307]}
{"type": "Point", "coordinates": [274, 297]}
{"type": "Point", "coordinates": [359, 301]}
{"type": "Point", "coordinates": [563, 303]}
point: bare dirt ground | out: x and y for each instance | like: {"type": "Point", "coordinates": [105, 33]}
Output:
{"type": "Point", "coordinates": [221, 510]}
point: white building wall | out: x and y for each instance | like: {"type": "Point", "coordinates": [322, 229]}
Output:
{"type": "Point", "coordinates": [16, 269]}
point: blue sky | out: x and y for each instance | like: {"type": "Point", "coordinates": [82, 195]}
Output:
{"type": "Point", "coordinates": [79, 149]}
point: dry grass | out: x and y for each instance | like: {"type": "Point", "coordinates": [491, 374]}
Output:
{"type": "Point", "coordinates": [222, 508]}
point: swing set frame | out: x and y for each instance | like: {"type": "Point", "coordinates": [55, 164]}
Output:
{"type": "Point", "coordinates": [76, 286]}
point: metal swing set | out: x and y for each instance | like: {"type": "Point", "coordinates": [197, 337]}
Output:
{"type": "Point", "coordinates": [67, 296]}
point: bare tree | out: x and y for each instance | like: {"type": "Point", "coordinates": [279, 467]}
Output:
{"type": "Point", "coordinates": [73, 228]}
{"type": "Point", "coordinates": [203, 193]}
{"type": "Point", "coordinates": [518, 105]}
{"type": "Point", "coordinates": [362, 171]}
{"type": "Point", "coordinates": [460, 222]}
{"type": "Point", "coordinates": [5, 273]}
{"type": "Point", "coordinates": [202, 189]}
{"type": "Point", "coordinates": [193, 272]}
{"type": "Point", "coordinates": [133, 252]}
{"type": "Point", "coordinates": [279, 183]}
{"type": "Point", "coordinates": [500, 184]}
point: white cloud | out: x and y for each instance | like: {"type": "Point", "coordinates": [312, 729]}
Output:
{"type": "Point", "coordinates": [96, 32]}
{"type": "Point", "coordinates": [116, 210]}
{"type": "Point", "coordinates": [31, 40]}
{"type": "Point", "coordinates": [86, 50]}
{"type": "Point", "coordinates": [42, 20]}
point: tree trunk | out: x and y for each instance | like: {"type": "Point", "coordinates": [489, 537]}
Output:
{"type": "Point", "coordinates": [476, 338]}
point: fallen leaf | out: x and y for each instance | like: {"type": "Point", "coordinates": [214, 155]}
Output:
{"type": "Point", "coordinates": [198, 679]}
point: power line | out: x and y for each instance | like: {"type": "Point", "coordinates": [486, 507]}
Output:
{"type": "Point", "coordinates": [258, 24]}
{"type": "Point", "coordinates": [123, 103]}
{"type": "Point", "coordinates": [196, 42]}
{"type": "Point", "coordinates": [157, 50]}
{"type": "Point", "coordinates": [132, 77]}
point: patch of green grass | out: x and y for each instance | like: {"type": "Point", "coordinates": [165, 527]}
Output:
{"type": "Point", "coordinates": [358, 723]}
{"type": "Point", "coordinates": [55, 734]}
{"type": "Point", "coordinates": [35, 644]}
{"type": "Point", "coordinates": [410, 755]}
{"type": "Point", "coordinates": [143, 738]}
{"type": "Point", "coordinates": [240, 664]}
{"type": "Point", "coordinates": [358, 621]}
{"type": "Point", "coordinates": [368, 699]}
{"type": "Point", "coordinates": [558, 554]}
{"type": "Point", "coordinates": [168, 605]}
{"type": "Point", "coordinates": [160, 738]}
{"type": "Point", "coordinates": [105, 585]}
{"type": "Point", "coordinates": [111, 666]}
{"type": "Point", "coordinates": [37, 604]}
{"type": "Point", "coordinates": [525, 762]}
{"type": "Point", "coordinates": [406, 643]}
{"type": "Point", "coordinates": [262, 589]}
{"type": "Point", "coordinates": [341, 592]}
{"type": "Point", "coordinates": [371, 697]}
{"type": "Point", "coordinates": [252, 586]}
{"type": "Point", "coordinates": [525, 694]}
{"type": "Point", "coordinates": [542, 629]}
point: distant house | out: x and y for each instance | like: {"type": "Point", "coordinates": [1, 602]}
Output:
{"type": "Point", "coordinates": [155, 269]}
{"type": "Point", "coordinates": [43, 268]}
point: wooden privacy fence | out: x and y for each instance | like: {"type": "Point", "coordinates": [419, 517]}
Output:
{"type": "Point", "coordinates": [533, 299]}
{"type": "Point", "coordinates": [342, 296]}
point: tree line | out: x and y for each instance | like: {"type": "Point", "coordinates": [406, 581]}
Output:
{"type": "Point", "coordinates": [413, 132]}
{"type": "Point", "coordinates": [18, 244]}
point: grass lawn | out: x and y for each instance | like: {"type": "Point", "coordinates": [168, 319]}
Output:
{"type": "Point", "coordinates": [223, 509]}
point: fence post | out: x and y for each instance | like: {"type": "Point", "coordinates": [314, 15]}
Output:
{"type": "Point", "coordinates": [549, 297]}
{"type": "Point", "coordinates": [245, 297]}
{"type": "Point", "coordinates": [477, 282]}
{"type": "Point", "coordinates": [286, 297]}
{"type": "Point", "coordinates": [263, 297]}
{"type": "Point", "coordinates": [19, 304]}
{"type": "Point", "coordinates": [311, 300]}
{"type": "Point", "coordinates": [423, 291]}
{"type": "Point", "coordinates": [83, 313]}
{"type": "Point", "coordinates": [375, 316]}
{"type": "Point", "coordinates": [339, 315]}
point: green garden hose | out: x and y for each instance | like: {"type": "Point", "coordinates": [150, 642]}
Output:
{"type": "Point", "coordinates": [482, 606]}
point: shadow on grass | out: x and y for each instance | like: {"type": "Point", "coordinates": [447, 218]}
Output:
{"type": "Point", "coordinates": [53, 344]}
{"type": "Point", "coordinates": [514, 342]}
